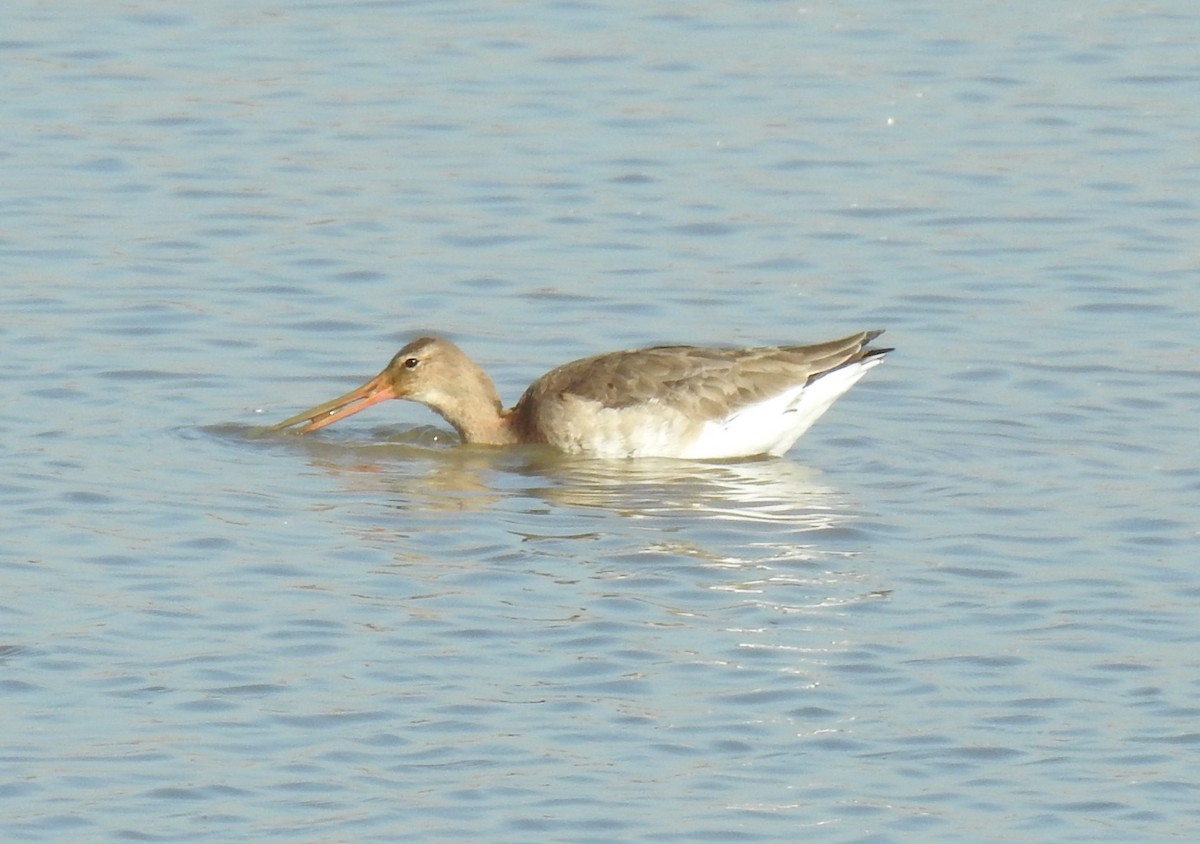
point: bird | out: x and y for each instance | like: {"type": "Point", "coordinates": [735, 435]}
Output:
{"type": "Point", "coordinates": [673, 401]}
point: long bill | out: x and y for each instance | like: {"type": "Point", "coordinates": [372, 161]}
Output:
{"type": "Point", "coordinates": [374, 391]}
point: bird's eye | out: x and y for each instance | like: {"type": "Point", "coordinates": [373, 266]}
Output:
{"type": "Point", "coordinates": [411, 363]}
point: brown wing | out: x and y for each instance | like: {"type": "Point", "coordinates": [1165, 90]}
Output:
{"type": "Point", "coordinates": [700, 382]}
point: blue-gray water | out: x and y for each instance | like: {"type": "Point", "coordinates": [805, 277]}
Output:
{"type": "Point", "coordinates": [963, 608]}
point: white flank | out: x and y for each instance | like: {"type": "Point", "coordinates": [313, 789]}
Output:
{"type": "Point", "coordinates": [773, 426]}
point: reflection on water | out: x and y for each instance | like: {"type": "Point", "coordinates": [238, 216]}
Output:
{"type": "Point", "coordinates": [770, 532]}
{"type": "Point", "coordinates": [769, 490]}
{"type": "Point", "coordinates": [777, 490]}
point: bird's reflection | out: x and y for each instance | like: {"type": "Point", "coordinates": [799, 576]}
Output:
{"type": "Point", "coordinates": [769, 531]}
{"type": "Point", "coordinates": [769, 490]}
{"type": "Point", "coordinates": [420, 465]}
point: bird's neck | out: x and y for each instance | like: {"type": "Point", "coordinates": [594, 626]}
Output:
{"type": "Point", "coordinates": [473, 407]}
{"type": "Point", "coordinates": [482, 425]}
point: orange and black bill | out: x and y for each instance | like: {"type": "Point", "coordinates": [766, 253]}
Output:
{"type": "Point", "coordinates": [374, 391]}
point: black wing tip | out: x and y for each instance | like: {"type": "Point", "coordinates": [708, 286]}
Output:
{"type": "Point", "coordinates": [868, 336]}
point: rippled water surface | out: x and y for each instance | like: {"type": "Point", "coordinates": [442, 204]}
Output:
{"type": "Point", "coordinates": [962, 608]}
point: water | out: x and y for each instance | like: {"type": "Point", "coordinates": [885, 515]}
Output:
{"type": "Point", "coordinates": [962, 608]}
